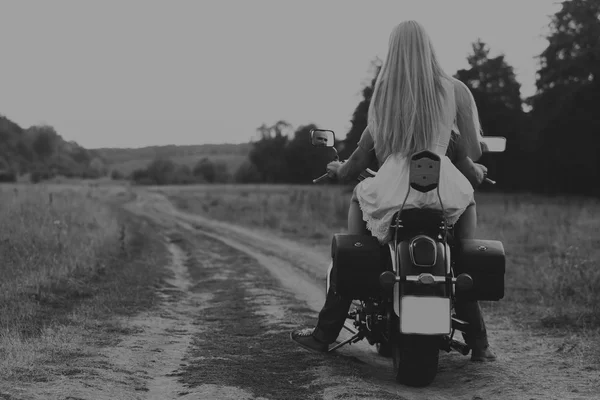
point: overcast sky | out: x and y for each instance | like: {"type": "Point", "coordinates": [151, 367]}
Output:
{"type": "Point", "coordinates": [133, 73]}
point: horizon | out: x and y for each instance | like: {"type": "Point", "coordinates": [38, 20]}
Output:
{"type": "Point", "coordinates": [106, 75]}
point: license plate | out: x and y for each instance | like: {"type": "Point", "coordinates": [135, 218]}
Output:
{"type": "Point", "coordinates": [425, 315]}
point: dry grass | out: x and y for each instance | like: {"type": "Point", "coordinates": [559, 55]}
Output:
{"type": "Point", "coordinates": [310, 212]}
{"type": "Point", "coordinates": [46, 236]}
{"type": "Point", "coordinates": [551, 245]}
{"type": "Point", "coordinates": [64, 274]}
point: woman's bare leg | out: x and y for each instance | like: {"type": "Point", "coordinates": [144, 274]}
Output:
{"type": "Point", "coordinates": [356, 225]}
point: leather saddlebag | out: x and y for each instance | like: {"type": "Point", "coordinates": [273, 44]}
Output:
{"type": "Point", "coordinates": [485, 262]}
{"type": "Point", "coordinates": [357, 264]}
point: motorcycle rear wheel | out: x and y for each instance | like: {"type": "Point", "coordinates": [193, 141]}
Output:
{"type": "Point", "coordinates": [415, 359]}
{"type": "Point", "coordinates": [384, 349]}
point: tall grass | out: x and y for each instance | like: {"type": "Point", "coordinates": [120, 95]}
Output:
{"type": "Point", "coordinates": [64, 274]}
{"type": "Point", "coordinates": [552, 253]}
{"type": "Point", "coordinates": [305, 211]}
{"type": "Point", "coordinates": [552, 247]}
{"type": "Point", "coordinates": [45, 235]}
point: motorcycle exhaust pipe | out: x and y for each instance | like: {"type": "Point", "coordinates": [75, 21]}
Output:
{"type": "Point", "coordinates": [461, 347]}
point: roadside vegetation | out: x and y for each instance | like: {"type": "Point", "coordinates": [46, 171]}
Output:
{"type": "Point", "coordinates": [70, 262]}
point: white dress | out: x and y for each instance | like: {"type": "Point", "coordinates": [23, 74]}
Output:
{"type": "Point", "coordinates": [381, 196]}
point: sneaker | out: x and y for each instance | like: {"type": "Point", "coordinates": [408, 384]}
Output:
{"type": "Point", "coordinates": [305, 338]}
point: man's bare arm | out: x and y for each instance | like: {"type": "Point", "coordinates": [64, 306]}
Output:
{"type": "Point", "coordinates": [357, 163]}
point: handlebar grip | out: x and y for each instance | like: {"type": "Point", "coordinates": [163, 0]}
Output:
{"type": "Point", "coordinates": [319, 179]}
{"type": "Point", "coordinates": [488, 180]}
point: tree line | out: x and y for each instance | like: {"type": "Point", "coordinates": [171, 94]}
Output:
{"type": "Point", "coordinates": [164, 171]}
{"type": "Point", "coordinates": [551, 148]}
{"type": "Point", "coordinates": [39, 153]}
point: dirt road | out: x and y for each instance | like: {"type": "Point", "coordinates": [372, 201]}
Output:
{"type": "Point", "coordinates": [222, 333]}
{"type": "Point", "coordinates": [529, 367]}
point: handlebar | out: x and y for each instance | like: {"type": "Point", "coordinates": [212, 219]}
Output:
{"type": "Point", "coordinates": [319, 179]}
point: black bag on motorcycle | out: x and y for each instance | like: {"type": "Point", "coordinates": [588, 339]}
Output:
{"type": "Point", "coordinates": [357, 264]}
{"type": "Point", "coordinates": [485, 262]}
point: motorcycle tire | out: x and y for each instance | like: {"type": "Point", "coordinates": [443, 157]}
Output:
{"type": "Point", "coordinates": [415, 359]}
{"type": "Point", "coordinates": [384, 349]}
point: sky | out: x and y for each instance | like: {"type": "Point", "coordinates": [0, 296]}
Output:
{"type": "Point", "coordinates": [134, 73]}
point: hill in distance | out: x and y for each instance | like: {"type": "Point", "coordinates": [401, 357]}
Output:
{"type": "Point", "coordinates": [128, 160]}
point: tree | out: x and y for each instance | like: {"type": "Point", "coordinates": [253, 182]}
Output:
{"type": "Point", "coordinates": [305, 161]}
{"type": "Point", "coordinates": [205, 170]}
{"type": "Point", "coordinates": [116, 175]}
{"type": "Point", "coordinates": [98, 166]}
{"type": "Point", "coordinates": [497, 93]}
{"type": "Point", "coordinates": [161, 171]}
{"type": "Point", "coordinates": [568, 154]}
{"type": "Point", "coordinates": [572, 57]}
{"type": "Point", "coordinates": [7, 174]}
{"type": "Point", "coordinates": [268, 153]}
{"type": "Point", "coordinates": [183, 175]}
{"type": "Point", "coordinates": [221, 172]}
{"type": "Point", "coordinates": [491, 79]}
{"type": "Point", "coordinates": [247, 173]}
{"type": "Point", "coordinates": [360, 116]}
{"type": "Point", "coordinates": [45, 139]}
{"type": "Point", "coordinates": [24, 151]}
{"type": "Point", "coordinates": [566, 102]}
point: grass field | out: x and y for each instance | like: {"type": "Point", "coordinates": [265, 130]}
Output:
{"type": "Point", "coordinates": [70, 261]}
{"type": "Point", "coordinates": [551, 243]}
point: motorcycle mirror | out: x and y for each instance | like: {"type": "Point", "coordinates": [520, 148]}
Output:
{"type": "Point", "coordinates": [493, 144]}
{"type": "Point", "coordinates": [322, 138]}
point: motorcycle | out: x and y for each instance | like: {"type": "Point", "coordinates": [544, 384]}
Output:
{"type": "Point", "coordinates": [404, 291]}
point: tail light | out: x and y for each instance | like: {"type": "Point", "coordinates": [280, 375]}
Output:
{"type": "Point", "coordinates": [423, 251]}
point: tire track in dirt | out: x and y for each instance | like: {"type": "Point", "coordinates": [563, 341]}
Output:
{"type": "Point", "coordinates": [244, 341]}
{"type": "Point", "coordinates": [142, 364]}
{"type": "Point", "coordinates": [163, 336]}
{"type": "Point", "coordinates": [246, 323]}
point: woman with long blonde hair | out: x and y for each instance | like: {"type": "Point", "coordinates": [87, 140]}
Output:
{"type": "Point", "coordinates": [415, 106]}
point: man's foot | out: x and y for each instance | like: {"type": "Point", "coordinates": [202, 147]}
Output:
{"type": "Point", "coordinates": [482, 354]}
{"type": "Point", "coordinates": [305, 338]}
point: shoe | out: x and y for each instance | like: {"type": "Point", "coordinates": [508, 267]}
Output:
{"type": "Point", "coordinates": [481, 355]}
{"type": "Point", "coordinates": [305, 338]}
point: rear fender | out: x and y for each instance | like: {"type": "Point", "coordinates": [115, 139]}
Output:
{"type": "Point", "coordinates": [406, 267]}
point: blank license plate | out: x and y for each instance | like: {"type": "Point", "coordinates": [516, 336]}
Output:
{"type": "Point", "coordinates": [425, 315]}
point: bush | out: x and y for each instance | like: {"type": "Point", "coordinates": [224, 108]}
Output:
{"type": "Point", "coordinates": [40, 175]}
{"type": "Point", "coordinates": [116, 175]}
{"type": "Point", "coordinates": [8, 176]}
{"type": "Point", "coordinates": [247, 173]}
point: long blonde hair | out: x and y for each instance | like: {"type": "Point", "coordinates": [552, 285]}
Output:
{"type": "Point", "coordinates": [406, 105]}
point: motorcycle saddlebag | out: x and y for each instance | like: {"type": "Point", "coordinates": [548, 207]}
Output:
{"type": "Point", "coordinates": [356, 266]}
{"type": "Point", "coordinates": [485, 262]}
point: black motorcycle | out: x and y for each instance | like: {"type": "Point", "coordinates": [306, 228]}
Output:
{"type": "Point", "coordinates": [404, 291]}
